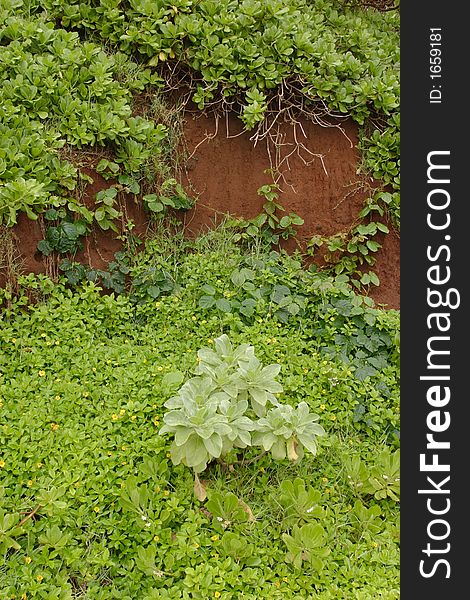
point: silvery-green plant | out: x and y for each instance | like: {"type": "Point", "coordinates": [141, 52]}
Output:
{"type": "Point", "coordinates": [223, 354]}
{"type": "Point", "coordinates": [227, 405]}
{"type": "Point", "coordinates": [285, 431]}
{"type": "Point", "coordinates": [199, 429]}
{"type": "Point", "coordinates": [260, 384]}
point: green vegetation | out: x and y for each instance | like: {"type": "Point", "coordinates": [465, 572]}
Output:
{"type": "Point", "coordinates": [91, 504]}
{"type": "Point", "coordinates": [87, 78]}
{"type": "Point", "coordinates": [198, 419]}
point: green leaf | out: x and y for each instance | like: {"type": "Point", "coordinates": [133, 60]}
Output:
{"type": "Point", "coordinates": [224, 305]}
{"type": "Point", "coordinates": [206, 301]}
{"type": "Point", "coordinates": [172, 380]}
{"type": "Point", "coordinates": [195, 451]}
{"type": "Point", "coordinates": [238, 278]}
{"type": "Point", "coordinates": [213, 445]}
{"type": "Point", "coordinates": [44, 247]}
{"type": "Point", "coordinates": [209, 289]}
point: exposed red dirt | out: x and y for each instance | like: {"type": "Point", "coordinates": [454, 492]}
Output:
{"type": "Point", "coordinates": [319, 183]}
{"type": "Point", "coordinates": [224, 169]}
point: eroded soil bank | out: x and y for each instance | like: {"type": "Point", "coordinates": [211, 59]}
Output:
{"type": "Point", "coordinates": [223, 170]}
{"type": "Point", "coordinates": [319, 182]}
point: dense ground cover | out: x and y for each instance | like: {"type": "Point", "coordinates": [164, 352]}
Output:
{"type": "Point", "coordinates": [91, 505]}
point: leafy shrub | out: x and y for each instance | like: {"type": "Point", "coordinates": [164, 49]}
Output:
{"type": "Point", "coordinates": [216, 411]}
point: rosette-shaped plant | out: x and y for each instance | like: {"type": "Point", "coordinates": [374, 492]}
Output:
{"type": "Point", "coordinates": [285, 431]}
{"type": "Point", "coordinates": [226, 406]}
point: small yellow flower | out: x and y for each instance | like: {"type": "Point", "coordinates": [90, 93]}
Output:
{"type": "Point", "coordinates": [41, 373]}
{"type": "Point", "coordinates": [210, 341]}
{"type": "Point", "coordinates": [2, 463]}
{"type": "Point", "coordinates": [285, 579]}
{"type": "Point", "coordinates": [157, 304]}
{"type": "Point", "coordinates": [166, 492]}
{"type": "Point", "coordinates": [122, 412]}
{"type": "Point", "coordinates": [13, 340]}
{"type": "Point", "coordinates": [305, 370]}
{"type": "Point", "coordinates": [324, 479]}
{"type": "Point", "coordinates": [196, 545]}
{"type": "Point", "coordinates": [214, 538]}
{"type": "Point", "coordinates": [39, 578]}
{"type": "Point", "coordinates": [333, 417]}
{"type": "Point", "coordinates": [43, 335]}
{"type": "Point", "coordinates": [96, 509]}
{"type": "Point", "coordinates": [54, 426]}
{"type": "Point", "coordinates": [57, 397]}
{"type": "Point", "coordinates": [156, 538]}
{"type": "Point", "coordinates": [203, 322]}
{"type": "Point", "coordinates": [85, 394]}
{"type": "Point", "coordinates": [144, 361]}
{"type": "Point", "coordinates": [94, 369]}
{"type": "Point", "coordinates": [217, 594]}
{"type": "Point", "coordinates": [375, 545]}
{"type": "Point", "coordinates": [114, 417]}
{"type": "Point", "coordinates": [39, 465]}
{"type": "Point", "coordinates": [124, 448]}
{"type": "Point", "coordinates": [30, 483]}
{"type": "Point", "coordinates": [322, 406]}
{"type": "Point", "coordinates": [57, 343]}
{"type": "Point", "coordinates": [27, 559]}
{"type": "Point", "coordinates": [133, 417]}
{"type": "Point", "coordinates": [158, 488]}
{"type": "Point", "coordinates": [160, 368]}
{"type": "Point", "coordinates": [194, 318]}
{"type": "Point", "coordinates": [277, 583]}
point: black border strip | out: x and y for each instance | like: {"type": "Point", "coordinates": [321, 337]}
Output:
{"type": "Point", "coordinates": [435, 230]}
